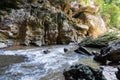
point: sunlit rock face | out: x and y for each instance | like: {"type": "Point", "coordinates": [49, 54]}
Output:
{"type": "Point", "coordinates": [88, 14]}
{"type": "Point", "coordinates": [43, 22]}
{"type": "Point", "coordinates": [95, 23]}
{"type": "Point", "coordinates": [84, 6]}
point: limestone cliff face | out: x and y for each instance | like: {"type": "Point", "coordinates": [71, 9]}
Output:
{"type": "Point", "coordinates": [46, 22]}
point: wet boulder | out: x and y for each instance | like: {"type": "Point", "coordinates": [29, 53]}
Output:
{"type": "Point", "coordinates": [118, 73]}
{"type": "Point", "coordinates": [83, 72]}
{"type": "Point", "coordinates": [46, 51]}
{"type": "Point", "coordinates": [110, 53]}
{"type": "Point", "coordinates": [82, 50]}
{"type": "Point", "coordinates": [65, 50]}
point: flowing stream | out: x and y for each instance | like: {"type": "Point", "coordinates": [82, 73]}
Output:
{"type": "Point", "coordinates": [44, 63]}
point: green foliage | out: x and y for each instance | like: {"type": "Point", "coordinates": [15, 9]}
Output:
{"type": "Point", "coordinates": [110, 9]}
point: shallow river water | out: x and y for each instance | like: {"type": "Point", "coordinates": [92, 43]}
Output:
{"type": "Point", "coordinates": [34, 64]}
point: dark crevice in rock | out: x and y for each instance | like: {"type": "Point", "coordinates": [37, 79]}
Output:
{"type": "Point", "coordinates": [22, 32]}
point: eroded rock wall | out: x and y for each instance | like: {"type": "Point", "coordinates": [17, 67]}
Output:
{"type": "Point", "coordinates": [46, 22]}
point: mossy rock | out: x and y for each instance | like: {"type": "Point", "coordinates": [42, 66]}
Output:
{"type": "Point", "coordinates": [101, 41]}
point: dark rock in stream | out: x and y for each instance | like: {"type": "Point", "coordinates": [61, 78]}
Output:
{"type": "Point", "coordinates": [65, 49]}
{"type": "Point", "coordinates": [118, 73]}
{"type": "Point", "coordinates": [110, 53]}
{"type": "Point", "coordinates": [82, 50]}
{"type": "Point", "coordinates": [83, 72]}
{"type": "Point", "coordinates": [46, 51]}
